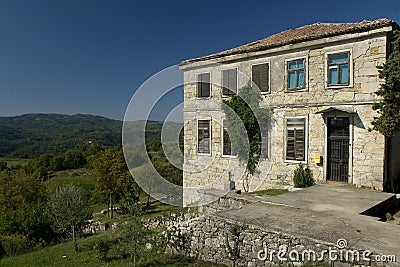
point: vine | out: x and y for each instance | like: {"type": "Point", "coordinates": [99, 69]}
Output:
{"type": "Point", "coordinates": [244, 109]}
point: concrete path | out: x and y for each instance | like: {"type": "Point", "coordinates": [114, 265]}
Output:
{"type": "Point", "coordinates": [326, 213]}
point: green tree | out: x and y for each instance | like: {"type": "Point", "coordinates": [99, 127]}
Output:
{"type": "Point", "coordinates": [109, 173]}
{"type": "Point", "coordinates": [244, 109]}
{"type": "Point", "coordinates": [69, 211]}
{"type": "Point", "coordinates": [389, 107]}
{"type": "Point", "coordinates": [74, 159]}
{"type": "Point", "coordinates": [39, 167]}
{"type": "Point", "coordinates": [132, 234]}
{"type": "Point", "coordinates": [17, 188]}
{"type": "Point", "coordinates": [29, 220]}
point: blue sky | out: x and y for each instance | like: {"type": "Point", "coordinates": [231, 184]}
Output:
{"type": "Point", "coordinates": [89, 56]}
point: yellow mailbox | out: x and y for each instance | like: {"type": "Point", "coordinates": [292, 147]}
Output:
{"type": "Point", "coordinates": [318, 159]}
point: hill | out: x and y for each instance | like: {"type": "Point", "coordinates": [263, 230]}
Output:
{"type": "Point", "coordinates": [36, 134]}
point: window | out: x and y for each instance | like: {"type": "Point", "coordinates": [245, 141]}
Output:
{"type": "Point", "coordinates": [295, 74]}
{"type": "Point", "coordinates": [260, 76]}
{"type": "Point", "coordinates": [203, 85]}
{"type": "Point", "coordinates": [229, 82]}
{"type": "Point", "coordinates": [203, 137]}
{"type": "Point", "coordinates": [295, 139]}
{"type": "Point", "coordinates": [338, 69]}
{"type": "Point", "coordinates": [226, 140]}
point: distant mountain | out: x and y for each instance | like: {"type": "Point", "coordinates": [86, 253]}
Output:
{"type": "Point", "coordinates": [35, 134]}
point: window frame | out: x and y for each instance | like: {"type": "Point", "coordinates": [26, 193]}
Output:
{"type": "Point", "coordinates": [305, 84]}
{"type": "Point", "coordinates": [222, 82]}
{"type": "Point", "coordinates": [223, 143]}
{"type": "Point", "coordinates": [199, 82]}
{"type": "Point", "coordinates": [268, 75]}
{"type": "Point", "coordinates": [351, 73]}
{"type": "Point", "coordinates": [210, 136]}
{"type": "Point", "coordinates": [304, 161]}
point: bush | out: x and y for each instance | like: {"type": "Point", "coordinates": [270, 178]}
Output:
{"type": "Point", "coordinates": [303, 177]}
{"type": "Point", "coordinates": [15, 244]}
{"type": "Point", "coordinates": [101, 248]}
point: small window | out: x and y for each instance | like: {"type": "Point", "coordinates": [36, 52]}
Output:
{"type": "Point", "coordinates": [203, 137]}
{"type": "Point", "coordinates": [203, 85]}
{"type": "Point", "coordinates": [295, 74]}
{"type": "Point", "coordinates": [229, 82]}
{"type": "Point", "coordinates": [338, 69]}
{"type": "Point", "coordinates": [295, 139]}
{"type": "Point", "coordinates": [260, 76]}
{"type": "Point", "coordinates": [226, 140]}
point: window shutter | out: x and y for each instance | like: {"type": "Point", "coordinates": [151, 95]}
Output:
{"type": "Point", "coordinates": [256, 75]}
{"type": "Point", "coordinates": [290, 147]}
{"type": "Point", "coordinates": [225, 82]}
{"type": "Point", "coordinates": [203, 85]}
{"type": "Point", "coordinates": [299, 144]}
{"type": "Point", "coordinates": [199, 86]}
{"type": "Point", "coordinates": [206, 86]}
{"type": "Point", "coordinates": [260, 76]}
{"type": "Point", "coordinates": [295, 144]}
{"type": "Point", "coordinates": [232, 81]}
{"type": "Point", "coordinates": [264, 73]}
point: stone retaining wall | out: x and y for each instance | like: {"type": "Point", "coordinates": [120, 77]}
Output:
{"type": "Point", "coordinates": [206, 237]}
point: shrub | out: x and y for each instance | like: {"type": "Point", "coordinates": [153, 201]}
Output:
{"type": "Point", "coordinates": [15, 244]}
{"type": "Point", "coordinates": [101, 248]}
{"type": "Point", "coordinates": [303, 177]}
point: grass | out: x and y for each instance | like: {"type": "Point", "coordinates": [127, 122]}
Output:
{"type": "Point", "coordinates": [270, 192]}
{"type": "Point", "coordinates": [64, 255]}
{"type": "Point", "coordinates": [77, 177]}
{"type": "Point", "coordinates": [12, 162]}
{"type": "Point", "coordinates": [161, 209]}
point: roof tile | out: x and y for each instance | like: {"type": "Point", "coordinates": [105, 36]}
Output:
{"type": "Point", "coordinates": [301, 34]}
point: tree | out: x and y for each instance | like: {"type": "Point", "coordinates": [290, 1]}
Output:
{"type": "Point", "coordinates": [74, 159]}
{"type": "Point", "coordinates": [389, 107]}
{"type": "Point", "coordinates": [133, 233]}
{"type": "Point", "coordinates": [244, 109]}
{"type": "Point", "coordinates": [69, 211]}
{"type": "Point", "coordinates": [109, 173]}
{"type": "Point", "coordinates": [17, 188]}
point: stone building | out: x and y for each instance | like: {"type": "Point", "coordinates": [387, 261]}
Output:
{"type": "Point", "coordinates": [319, 80]}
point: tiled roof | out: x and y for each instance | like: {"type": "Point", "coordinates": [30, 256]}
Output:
{"type": "Point", "coordinates": [301, 34]}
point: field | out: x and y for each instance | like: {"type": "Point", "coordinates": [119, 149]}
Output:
{"type": "Point", "coordinates": [14, 162]}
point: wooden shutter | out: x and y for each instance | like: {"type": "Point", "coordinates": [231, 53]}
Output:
{"type": "Point", "coordinates": [229, 82]}
{"type": "Point", "coordinates": [203, 85]}
{"type": "Point", "coordinates": [260, 76]}
{"type": "Point", "coordinates": [295, 139]}
{"type": "Point", "coordinates": [225, 82]}
{"type": "Point", "coordinates": [233, 81]}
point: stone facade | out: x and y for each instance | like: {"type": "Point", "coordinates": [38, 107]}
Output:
{"type": "Point", "coordinates": [316, 102]}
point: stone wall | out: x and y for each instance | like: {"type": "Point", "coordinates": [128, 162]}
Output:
{"type": "Point", "coordinates": [366, 161]}
{"type": "Point", "coordinates": [206, 238]}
